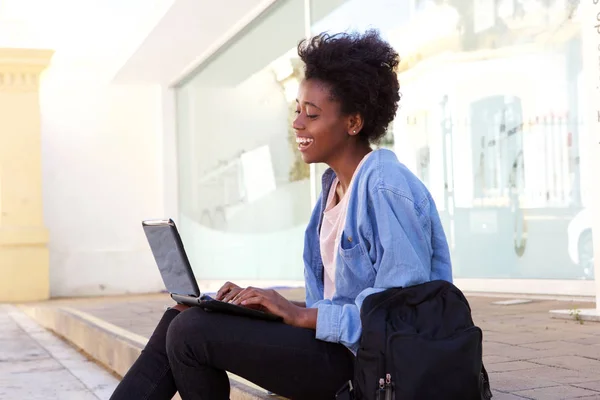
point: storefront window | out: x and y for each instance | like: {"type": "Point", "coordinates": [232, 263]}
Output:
{"type": "Point", "coordinates": [244, 190]}
{"type": "Point", "coordinates": [491, 120]}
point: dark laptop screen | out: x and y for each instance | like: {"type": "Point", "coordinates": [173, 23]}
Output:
{"type": "Point", "coordinates": [170, 257]}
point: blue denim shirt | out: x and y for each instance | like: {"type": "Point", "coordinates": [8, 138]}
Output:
{"type": "Point", "coordinates": [393, 237]}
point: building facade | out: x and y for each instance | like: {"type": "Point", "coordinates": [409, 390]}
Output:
{"type": "Point", "coordinates": [191, 119]}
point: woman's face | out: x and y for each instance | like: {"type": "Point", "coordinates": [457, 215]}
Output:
{"type": "Point", "coordinates": [321, 128]}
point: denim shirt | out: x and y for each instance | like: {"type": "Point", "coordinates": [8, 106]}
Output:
{"type": "Point", "coordinates": [392, 237]}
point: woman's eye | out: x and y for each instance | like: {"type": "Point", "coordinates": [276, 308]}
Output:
{"type": "Point", "coordinates": [298, 112]}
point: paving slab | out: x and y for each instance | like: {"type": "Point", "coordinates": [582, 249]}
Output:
{"type": "Point", "coordinates": [35, 364]}
{"type": "Point", "coordinates": [558, 393]}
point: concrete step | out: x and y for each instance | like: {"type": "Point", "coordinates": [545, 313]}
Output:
{"type": "Point", "coordinates": [112, 346]}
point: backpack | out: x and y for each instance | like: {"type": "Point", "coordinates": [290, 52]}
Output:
{"type": "Point", "coordinates": [418, 343]}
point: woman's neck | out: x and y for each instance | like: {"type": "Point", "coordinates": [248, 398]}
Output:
{"type": "Point", "coordinates": [346, 163]}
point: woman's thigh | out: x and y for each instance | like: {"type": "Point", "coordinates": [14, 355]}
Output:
{"type": "Point", "coordinates": [281, 358]}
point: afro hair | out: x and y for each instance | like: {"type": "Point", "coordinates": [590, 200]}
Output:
{"type": "Point", "coordinates": [360, 70]}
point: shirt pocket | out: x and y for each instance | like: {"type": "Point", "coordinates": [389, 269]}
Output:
{"type": "Point", "coordinates": [355, 267]}
{"type": "Point", "coordinates": [349, 246]}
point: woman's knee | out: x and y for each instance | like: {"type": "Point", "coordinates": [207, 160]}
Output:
{"type": "Point", "coordinates": [185, 332]}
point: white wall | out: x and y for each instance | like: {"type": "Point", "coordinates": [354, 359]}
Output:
{"type": "Point", "coordinates": [101, 154]}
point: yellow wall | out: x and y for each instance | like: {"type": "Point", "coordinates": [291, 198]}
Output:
{"type": "Point", "coordinates": [23, 237]}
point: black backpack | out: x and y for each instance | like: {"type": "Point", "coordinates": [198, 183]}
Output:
{"type": "Point", "coordinates": [418, 343]}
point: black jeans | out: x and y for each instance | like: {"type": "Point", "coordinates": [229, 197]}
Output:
{"type": "Point", "coordinates": [190, 352]}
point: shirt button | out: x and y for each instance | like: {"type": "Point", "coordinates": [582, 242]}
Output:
{"type": "Point", "coordinates": [349, 238]}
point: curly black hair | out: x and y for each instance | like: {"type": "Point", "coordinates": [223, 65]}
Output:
{"type": "Point", "coordinates": [360, 69]}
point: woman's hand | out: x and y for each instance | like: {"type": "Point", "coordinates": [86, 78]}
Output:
{"type": "Point", "coordinates": [271, 301]}
{"type": "Point", "coordinates": [228, 291]}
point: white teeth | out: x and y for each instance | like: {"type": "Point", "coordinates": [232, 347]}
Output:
{"type": "Point", "coordinates": [303, 140]}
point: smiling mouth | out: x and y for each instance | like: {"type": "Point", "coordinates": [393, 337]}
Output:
{"type": "Point", "coordinates": [304, 143]}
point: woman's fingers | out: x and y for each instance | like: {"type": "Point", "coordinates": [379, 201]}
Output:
{"type": "Point", "coordinates": [226, 289]}
{"type": "Point", "coordinates": [245, 294]}
{"type": "Point", "coordinates": [255, 301]}
{"type": "Point", "coordinates": [231, 294]}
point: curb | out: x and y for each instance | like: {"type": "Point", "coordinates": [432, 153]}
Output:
{"type": "Point", "coordinates": [113, 347]}
{"type": "Point", "coordinates": [576, 314]}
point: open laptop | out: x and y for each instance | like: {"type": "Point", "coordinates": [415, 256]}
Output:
{"type": "Point", "coordinates": [177, 274]}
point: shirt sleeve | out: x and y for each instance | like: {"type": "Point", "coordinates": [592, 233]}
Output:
{"type": "Point", "coordinates": [398, 242]}
{"type": "Point", "coordinates": [312, 281]}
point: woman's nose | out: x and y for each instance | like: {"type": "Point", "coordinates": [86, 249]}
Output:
{"type": "Point", "coordinates": [297, 123]}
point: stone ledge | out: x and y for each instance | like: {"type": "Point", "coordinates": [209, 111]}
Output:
{"type": "Point", "coordinates": [30, 59]}
{"type": "Point", "coordinates": [585, 314]}
{"type": "Point", "coordinates": [113, 347]}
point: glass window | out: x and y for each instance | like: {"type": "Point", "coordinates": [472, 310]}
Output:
{"type": "Point", "coordinates": [491, 120]}
{"type": "Point", "coordinates": [244, 190]}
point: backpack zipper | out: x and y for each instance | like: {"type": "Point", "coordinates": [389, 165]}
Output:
{"type": "Point", "coordinates": [389, 387]}
{"type": "Point", "coordinates": [386, 388]}
{"type": "Point", "coordinates": [381, 391]}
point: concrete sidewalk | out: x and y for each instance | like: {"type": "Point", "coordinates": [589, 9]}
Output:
{"type": "Point", "coordinates": [529, 354]}
{"type": "Point", "coordinates": [35, 365]}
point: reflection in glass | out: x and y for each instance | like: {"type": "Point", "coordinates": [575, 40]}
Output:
{"type": "Point", "coordinates": [244, 190]}
{"type": "Point", "coordinates": [490, 121]}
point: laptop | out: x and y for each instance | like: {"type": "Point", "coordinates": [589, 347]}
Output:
{"type": "Point", "coordinates": [177, 274]}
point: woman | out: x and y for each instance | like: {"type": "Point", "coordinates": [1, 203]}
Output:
{"type": "Point", "coordinates": [374, 227]}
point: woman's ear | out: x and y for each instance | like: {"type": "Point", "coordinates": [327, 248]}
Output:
{"type": "Point", "coordinates": [355, 124]}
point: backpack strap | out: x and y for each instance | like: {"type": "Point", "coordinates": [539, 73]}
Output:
{"type": "Point", "coordinates": [346, 392]}
{"type": "Point", "coordinates": [486, 392]}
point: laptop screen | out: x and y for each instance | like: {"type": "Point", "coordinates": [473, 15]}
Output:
{"type": "Point", "coordinates": [170, 257]}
